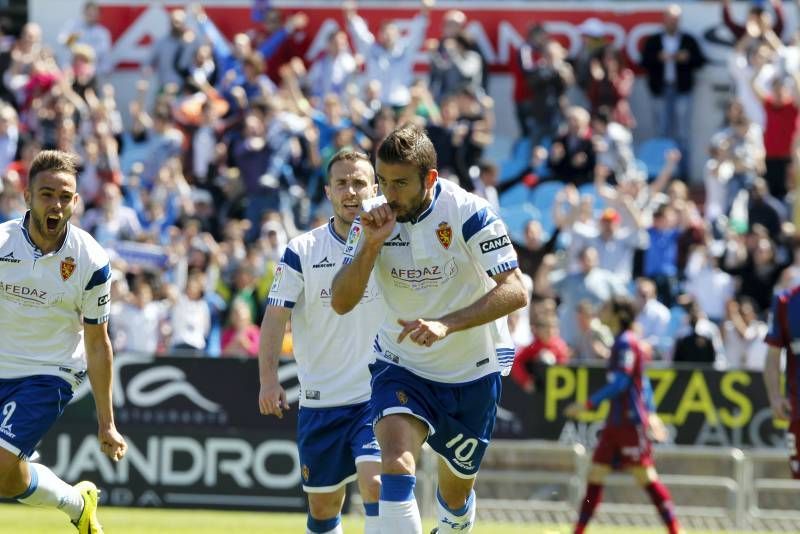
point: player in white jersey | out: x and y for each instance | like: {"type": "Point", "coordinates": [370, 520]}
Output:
{"type": "Point", "coordinates": [445, 266]}
{"type": "Point", "coordinates": [54, 307]}
{"type": "Point", "coordinates": [334, 428]}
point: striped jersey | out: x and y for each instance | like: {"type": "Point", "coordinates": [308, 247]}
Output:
{"type": "Point", "coordinates": [440, 263]}
{"type": "Point", "coordinates": [784, 333]}
{"type": "Point", "coordinates": [46, 298]}
{"type": "Point", "coordinates": [332, 351]}
{"type": "Point", "coordinates": [628, 357]}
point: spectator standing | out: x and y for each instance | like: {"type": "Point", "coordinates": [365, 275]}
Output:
{"type": "Point", "coordinates": [653, 318]}
{"type": "Point", "coordinates": [88, 31]}
{"type": "Point", "coordinates": [173, 52]}
{"type": "Point", "coordinates": [743, 334]}
{"type": "Point", "coordinates": [699, 341]}
{"type": "Point", "coordinates": [389, 58]}
{"type": "Point", "coordinates": [571, 157]}
{"type": "Point", "coordinates": [334, 70]}
{"type": "Point", "coordinates": [781, 112]}
{"type": "Point", "coordinates": [670, 59]}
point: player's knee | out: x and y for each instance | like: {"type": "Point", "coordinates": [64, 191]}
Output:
{"type": "Point", "coordinates": [597, 473]}
{"type": "Point", "coordinates": [324, 506]}
{"type": "Point", "coordinates": [398, 462]}
{"type": "Point", "coordinates": [371, 489]}
{"type": "Point", "coordinates": [644, 475]}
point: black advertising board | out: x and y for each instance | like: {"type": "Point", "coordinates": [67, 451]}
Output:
{"type": "Point", "coordinates": [197, 439]}
{"type": "Point", "coordinates": [701, 407]}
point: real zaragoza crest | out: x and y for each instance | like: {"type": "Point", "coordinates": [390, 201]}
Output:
{"type": "Point", "coordinates": [67, 267]}
{"type": "Point", "coordinates": [445, 234]}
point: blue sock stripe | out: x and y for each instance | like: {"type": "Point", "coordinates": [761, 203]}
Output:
{"type": "Point", "coordinates": [32, 486]}
{"type": "Point", "coordinates": [398, 488]}
{"type": "Point", "coordinates": [323, 525]}
{"type": "Point", "coordinates": [460, 511]}
{"type": "Point", "coordinates": [371, 509]}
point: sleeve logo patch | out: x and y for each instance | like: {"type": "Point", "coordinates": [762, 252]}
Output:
{"type": "Point", "coordinates": [102, 301]}
{"type": "Point", "coordinates": [493, 244]}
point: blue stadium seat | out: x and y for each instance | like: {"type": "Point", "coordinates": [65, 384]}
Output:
{"type": "Point", "coordinates": [652, 151]}
{"type": "Point", "coordinates": [516, 217]}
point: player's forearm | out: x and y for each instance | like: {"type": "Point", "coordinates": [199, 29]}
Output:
{"type": "Point", "coordinates": [620, 383]}
{"type": "Point", "coordinates": [270, 341]}
{"type": "Point", "coordinates": [772, 369]}
{"type": "Point", "coordinates": [507, 296]}
{"type": "Point", "coordinates": [351, 281]}
{"type": "Point", "coordinates": [99, 360]}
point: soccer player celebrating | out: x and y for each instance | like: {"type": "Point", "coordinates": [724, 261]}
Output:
{"type": "Point", "coordinates": [448, 273]}
{"type": "Point", "coordinates": [784, 333]}
{"type": "Point", "coordinates": [54, 307]}
{"type": "Point", "coordinates": [334, 427]}
{"type": "Point", "coordinates": [626, 438]}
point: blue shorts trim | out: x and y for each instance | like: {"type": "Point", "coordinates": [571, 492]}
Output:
{"type": "Point", "coordinates": [28, 408]}
{"type": "Point", "coordinates": [460, 417]}
{"type": "Point", "coordinates": [331, 441]}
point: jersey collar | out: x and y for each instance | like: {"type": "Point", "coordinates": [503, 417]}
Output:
{"type": "Point", "coordinates": [437, 189]}
{"type": "Point", "coordinates": [37, 252]}
{"type": "Point", "coordinates": [332, 230]}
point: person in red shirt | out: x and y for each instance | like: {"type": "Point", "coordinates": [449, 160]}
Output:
{"type": "Point", "coordinates": [781, 111]}
{"type": "Point", "coordinates": [547, 349]}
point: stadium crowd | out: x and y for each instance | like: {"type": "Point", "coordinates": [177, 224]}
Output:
{"type": "Point", "coordinates": [196, 196]}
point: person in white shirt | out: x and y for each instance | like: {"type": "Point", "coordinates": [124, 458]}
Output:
{"type": "Point", "coordinates": [390, 58]}
{"type": "Point", "coordinates": [710, 286]}
{"type": "Point", "coordinates": [89, 31]}
{"type": "Point", "coordinates": [743, 335]}
{"type": "Point", "coordinates": [136, 324]}
{"type": "Point", "coordinates": [653, 317]}
{"type": "Point", "coordinates": [448, 273]}
{"type": "Point", "coordinates": [334, 70]}
{"type": "Point", "coordinates": [190, 318]}
{"type": "Point", "coordinates": [335, 437]}
{"type": "Point", "coordinates": [54, 306]}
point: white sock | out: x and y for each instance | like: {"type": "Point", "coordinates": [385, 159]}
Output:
{"type": "Point", "coordinates": [461, 520]}
{"type": "Point", "coordinates": [372, 523]}
{"type": "Point", "coordinates": [398, 509]}
{"type": "Point", "coordinates": [324, 526]}
{"type": "Point", "coordinates": [46, 489]}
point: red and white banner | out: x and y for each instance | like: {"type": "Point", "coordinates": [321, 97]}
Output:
{"type": "Point", "coordinates": [498, 27]}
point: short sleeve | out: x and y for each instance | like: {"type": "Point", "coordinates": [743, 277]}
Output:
{"type": "Point", "coordinates": [487, 240]}
{"type": "Point", "coordinates": [96, 303]}
{"type": "Point", "coordinates": [287, 284]}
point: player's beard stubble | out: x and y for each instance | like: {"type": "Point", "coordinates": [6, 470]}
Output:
{"type": "Point", "coordinates": [415, 207]}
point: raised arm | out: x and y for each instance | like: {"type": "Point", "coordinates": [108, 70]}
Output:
{"type": "Point", "coordinates": [351, 281]}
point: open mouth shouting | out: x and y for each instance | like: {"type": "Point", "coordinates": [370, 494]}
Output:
{"type": "Point", "coordinates": [52, 222]}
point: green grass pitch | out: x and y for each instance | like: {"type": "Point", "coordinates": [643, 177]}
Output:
{"type": "Point", "coordinates": [21, 519]}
